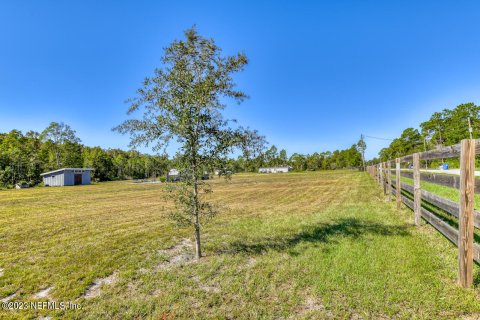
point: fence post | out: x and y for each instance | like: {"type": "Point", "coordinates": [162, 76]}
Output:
{"type": "Point", "coordinates": [389, 178]}
{"type": "Point", "coordinates": [380, 170]}
{"type": "Point", "coordinates": [417, 192]}
{"type": "Point", "coordinates": [398, 185]}
{"type": "Point", "coordinates": [385, 180]}
{"type": "Point", "coordinates": [465, 215]}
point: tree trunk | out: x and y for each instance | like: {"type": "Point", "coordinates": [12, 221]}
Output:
{"type": "Point", "coordinates": [198, 249]}
{"type": "Point", "coordinates": [57, 154]}
{"type": "Point", "coordinates": [363, 160]}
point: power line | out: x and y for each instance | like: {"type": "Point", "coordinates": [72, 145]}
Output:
{"type": "Point", "coordinates": [378, 138]}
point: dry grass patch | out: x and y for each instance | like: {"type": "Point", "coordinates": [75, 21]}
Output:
{"type": "Point", "coordinates": [281, 242]}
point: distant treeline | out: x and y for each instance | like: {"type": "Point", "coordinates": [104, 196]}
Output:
{"type": "Point", "coordinates": [444, 128]}
{"type": "Point", "coordinates": [24, 156]}
{"type": "Point", "coordinates": [338, 159]}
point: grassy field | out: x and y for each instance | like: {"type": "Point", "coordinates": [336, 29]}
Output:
{"type": "Point", "coordinates": [286, 246]}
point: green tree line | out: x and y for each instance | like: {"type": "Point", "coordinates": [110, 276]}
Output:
{"type": "Point", "coordinates": [444, 128]}
{"type": "Point", "coordinates": [23, 156]}
{"type": "Point", "coordinates": [272, 157]}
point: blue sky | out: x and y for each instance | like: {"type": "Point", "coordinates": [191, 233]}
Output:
{"type": "Point", "coordinates": [320, 72]}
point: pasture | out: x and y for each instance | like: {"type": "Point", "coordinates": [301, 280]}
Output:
{"type": "Point", "coordinates": [286, 246]}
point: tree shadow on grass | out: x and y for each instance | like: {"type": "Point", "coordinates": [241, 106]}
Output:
{"type": "Point", "coordinates": [352, 228]}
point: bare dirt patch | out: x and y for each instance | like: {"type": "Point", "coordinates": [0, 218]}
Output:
{"type": "Point", "coordinates": [95, 289]}
{"type": "Point", "coordinates": [312, 304]}
{"type": "Point", "coordinates": [156, 292]}
{"type": "Point", "coordinates": [143, 270]}
{"type": "Point", "coordinates": [251, 262]}
{"type": "Point", "coordinates": [210, 289]}
{"type": "Point", "coordinates": [43, 293]}
{"type": "Point", "coordinates": [180, 253]}
{"type": "Point", "coordinates": [471, 317]}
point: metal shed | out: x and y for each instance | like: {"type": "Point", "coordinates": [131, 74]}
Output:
{"type": "Point", "coordinates": [67, 177]}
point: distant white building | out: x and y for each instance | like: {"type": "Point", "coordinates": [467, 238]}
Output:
{"type": "Point", "coordinates": [175, 175]}
{"type": "Point", "coordinates": [173, 172]}
{"type": "Point", "coordinates": [275, 170]}
{"type": "Point", "coordinates": [221, 172]}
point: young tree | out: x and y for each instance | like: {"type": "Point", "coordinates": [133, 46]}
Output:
{"type": "Point", "coordinates": [184, 101]}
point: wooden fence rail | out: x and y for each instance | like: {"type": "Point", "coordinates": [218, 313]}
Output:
{"type": "Point", "coordinates": [440, 179]}
{"type": "Point", "coordinates": [468, 218]}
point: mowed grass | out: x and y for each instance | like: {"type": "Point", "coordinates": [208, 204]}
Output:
{"type": "Point", "coordinates": [286, 246]}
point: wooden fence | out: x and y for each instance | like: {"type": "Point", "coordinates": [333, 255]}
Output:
{"type": "Point", "coordinates": [463, 211]}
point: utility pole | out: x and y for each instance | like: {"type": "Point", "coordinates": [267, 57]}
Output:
{"type": "Point", "coordinates": [425, 149]}
{"type": "Point", "coordinates": [362, 146]}
{"type": "Point", "coordinates": [441, 139]}
{"type": "Point", "coordinates": [470, 128]}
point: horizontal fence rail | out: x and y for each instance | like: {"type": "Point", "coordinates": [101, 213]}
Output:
{"type": "Point", "coordinates": [424, 203]}
{"type": "Point", "coordinates": [442, 179]}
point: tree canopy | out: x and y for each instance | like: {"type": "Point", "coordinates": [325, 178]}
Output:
{"type": "Point", "coordinates": [444, 128]}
